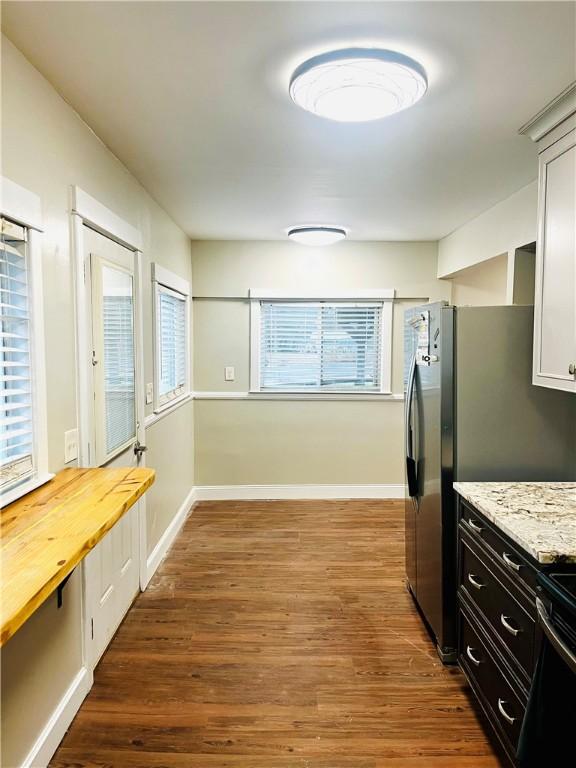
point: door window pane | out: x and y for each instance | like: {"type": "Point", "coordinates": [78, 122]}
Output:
{"type": "Point", "coordinates": [118, 338]}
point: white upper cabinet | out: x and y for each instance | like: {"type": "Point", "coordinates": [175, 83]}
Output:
{"type": "Point", "coordinates": [554, 129]}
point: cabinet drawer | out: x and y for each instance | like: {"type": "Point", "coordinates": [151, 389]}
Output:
{"type": "Point", "coordinates": [505, 708]}
{"type": "Point", "coordinates": [510, 622]}
{"type": "Point", "coordinates": [506, 555]}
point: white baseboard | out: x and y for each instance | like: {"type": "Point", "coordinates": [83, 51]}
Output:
{"type": "Point", "coordinates": [59, 721]}
{"type": "Point", "coordinates": [253, 492]}
{"type": "Point", "coordinates": [166, 540]}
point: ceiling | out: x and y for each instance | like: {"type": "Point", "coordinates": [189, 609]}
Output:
{"type": "Point", "coordinates": [192, 97]}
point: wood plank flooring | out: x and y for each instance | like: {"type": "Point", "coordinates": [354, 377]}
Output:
{"type": "Point", "coordinates": [278, 635]}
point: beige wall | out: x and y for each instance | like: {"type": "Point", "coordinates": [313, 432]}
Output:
{"type": "Point", "coordinates": [482, 285]}
{"type": "Point", "coordinates": [38, 665]}
{"type": "Point", "coordinates": [524, 276]}
{"type": "Point", "coordinates": [170, 444]}
{"type": "Point", "coordinates": [47, 148]}
{"type": "Point", "coordinates": [231, 268]}
{"type": "Point", "coordinates": [295, 442]}
{"type": "Point", "coordinates": [508, 225]}
{"type": "Point", "coordinates": [282, 441]}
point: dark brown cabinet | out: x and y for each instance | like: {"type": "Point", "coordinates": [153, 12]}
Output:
{"type": "Point", "coordinates": [502, 699]}
{"type": "Point", "coordinates": [498, 641]}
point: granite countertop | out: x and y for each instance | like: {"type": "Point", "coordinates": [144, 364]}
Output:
{"type": "Point", "coordinates": [539, 517]}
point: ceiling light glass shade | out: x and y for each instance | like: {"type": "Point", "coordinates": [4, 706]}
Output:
{"type": "Point", "coordinates": [358, 84]}
{"type": "Point", "coordinates": [316, 235]}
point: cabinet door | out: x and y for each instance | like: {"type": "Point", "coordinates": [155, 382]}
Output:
{"type": "Point", "coordinates": [112, 581]}
{"type": "Point", "coordinates": [555, 311]}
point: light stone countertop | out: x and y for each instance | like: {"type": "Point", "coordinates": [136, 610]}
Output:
{"type": "Point", "coordinates": [539, 517]}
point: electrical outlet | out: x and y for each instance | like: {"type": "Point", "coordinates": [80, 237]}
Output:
{"type": "Point", "coordinates": [70, 445]}
{"type": "Point", "coordinates": [229, 373]}
{"type": "Point", "coordinates": [149, 393]}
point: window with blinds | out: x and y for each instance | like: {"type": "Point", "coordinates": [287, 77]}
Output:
{"type": "Point", "coordinates": [172, 318]}
{"type": "Point", "coordinates": [320, 346]}
{"type": "Point", "coordinates": [172, 341]}
{"type": "Point", "coordinates": [16, 395]}
{"type": "Point", "coordinates": [118, 347]}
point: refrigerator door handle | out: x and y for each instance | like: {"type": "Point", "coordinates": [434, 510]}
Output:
{"type": "Point", "coordinates": [410, 461]}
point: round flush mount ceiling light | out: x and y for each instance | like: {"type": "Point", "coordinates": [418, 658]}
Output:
{"type": "Point", "coordinates": [316, 235]}
{"type": "Point", "coordinates": [358, 84]}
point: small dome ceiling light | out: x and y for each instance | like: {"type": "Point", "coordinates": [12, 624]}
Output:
{"type": "Point", "coordinates": [316, 235]}
{"type": "Point", "coordinates": [358, 84]}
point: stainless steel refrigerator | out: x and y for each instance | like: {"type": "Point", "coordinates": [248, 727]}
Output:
{"type": "Point", "coordinates": [471, 414]}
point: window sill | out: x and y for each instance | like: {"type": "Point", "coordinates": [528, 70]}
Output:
{"type": "Point", "coordinates": [25, 488]}
{"type": "Point", "coordinates": [167, 408]}
{"type": "Point", "coordinates": [334, 395]}
{"type": "Point", "coordinates": [287, 396]}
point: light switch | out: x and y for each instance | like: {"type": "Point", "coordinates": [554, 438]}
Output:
{"type": "Point", "coordinates": [70, 445]}
{"type": "Point", "coordinates": [149, 393]}
{"type": "Point", "coordinates": [229, 373]}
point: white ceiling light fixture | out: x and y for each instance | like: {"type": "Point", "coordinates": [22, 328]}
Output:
{"type": "Point", "coordinates": [358, 84]}
{"type": "Point", "coordinates": [316, 235]}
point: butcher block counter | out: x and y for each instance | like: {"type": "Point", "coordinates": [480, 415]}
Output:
{"type": "Point", "coordinates": [45, 534]}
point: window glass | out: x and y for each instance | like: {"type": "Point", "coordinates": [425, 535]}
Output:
{"type": "Point", "coordinates": [320, 346]}
{"type": "Point", "coordinates": [172, 344]}
{"type": "Point", "coordinates": [16, 396]}
{"type": "Point", "coordinates": [118, 338]}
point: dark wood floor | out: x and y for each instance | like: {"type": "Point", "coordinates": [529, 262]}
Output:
{"type": "Point", "coordinates": [278, 635]}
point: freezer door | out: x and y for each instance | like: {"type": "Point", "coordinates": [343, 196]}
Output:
{"type": "Point", "coordinates": [429, 534]}
{"type": "Point", "coordinates": [410, 502]}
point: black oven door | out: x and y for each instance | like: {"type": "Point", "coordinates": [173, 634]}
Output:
{"type": "Point", "coordinates": [549, 728]}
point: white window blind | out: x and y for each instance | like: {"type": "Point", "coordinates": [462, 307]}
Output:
{"type": "Point", "coordinates": [172, 342]}
{"type": "Point", "coordinates": [16, 396]}
{"type": "Point", "coordinates": [118, 347]}
{"type": "Point", "coordinates": [320, 346]}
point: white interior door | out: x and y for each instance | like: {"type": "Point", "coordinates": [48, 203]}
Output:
{"type": "Point", "coordinates": [112, 569]}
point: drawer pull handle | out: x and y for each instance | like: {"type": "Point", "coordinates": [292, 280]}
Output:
{"type": "Point", "coordinates": [504, 620]}
{"type": "Point", "coordinates": [475, 526]}
{"type": "Point", "coordinates": [510, 563]}
{"type": "Point", "coordinates": [471, 656]}
{"type": "Point", "coordinates": [475, 583]}
{"type": "Point", "coordinates": [503, 712]}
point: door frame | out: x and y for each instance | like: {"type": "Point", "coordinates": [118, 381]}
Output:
{"type": "Point", "coordinates": [85, 210]}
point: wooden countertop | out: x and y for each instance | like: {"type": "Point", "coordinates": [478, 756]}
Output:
{"type": "Point", "coordinates": [45, 534]}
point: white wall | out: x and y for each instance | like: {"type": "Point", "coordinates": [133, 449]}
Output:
{"type": "Point", "coordinates": [508, 225]}
{"type": "Point", "coordinates": [46, 148]}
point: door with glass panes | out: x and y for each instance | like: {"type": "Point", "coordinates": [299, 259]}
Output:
{"type": "Point", "coordinates": [113, 567]}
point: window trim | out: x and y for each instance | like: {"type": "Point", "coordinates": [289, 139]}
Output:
{"type": "Point", "coordinates": [385, 296]}
{"type": "Point", "coordinates": [163, 278]}
{"type": "Point", "coordinates": [24, 208]}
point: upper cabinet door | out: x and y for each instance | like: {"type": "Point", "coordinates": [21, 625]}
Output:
{"type": "Point", "coordinates": [555, 299]}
